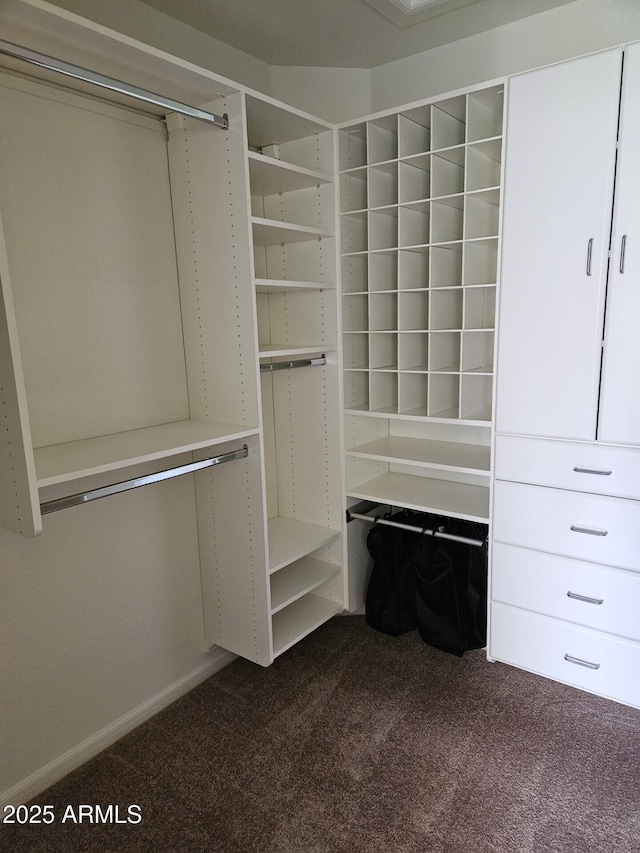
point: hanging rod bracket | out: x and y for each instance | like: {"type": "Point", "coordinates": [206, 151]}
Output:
{"type": "Point", "coordinates": [77, 73]}
{"type": "Point", "coordinates": [125, 486]}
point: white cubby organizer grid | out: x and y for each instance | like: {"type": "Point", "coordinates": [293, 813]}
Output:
{"type": "Point", "coordinates": [419, 220]}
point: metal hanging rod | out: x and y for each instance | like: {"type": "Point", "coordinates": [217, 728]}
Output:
{"type": "Point", "coordinates": [126, 485]}
{"type": "Point", "coordinates": [354, 513]}
{"type": "Point", "coordinates": [52, 64]}
{"type": "Point", "coordinates": [291, 365]}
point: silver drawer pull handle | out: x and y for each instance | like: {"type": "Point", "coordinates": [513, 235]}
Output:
{"type": "Point", "coordinates": [602, 473]}
{"type": "Point", "coordinates": [586, 598]}
{"type": "Point", "coordinates": [590, 530]}
{"type": "Point", "coordinates": [580, 662]}
{"type": "Point", "coordinates": [589, 254]}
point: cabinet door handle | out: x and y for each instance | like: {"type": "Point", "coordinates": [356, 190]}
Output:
{"type": "Point", "coordinates": [590, 530]}
{"type": "Point", "coordinates": [623, 247]}
{"type": "Point", "coordinates": [601, 472]}
{"type": "Point", "coordinates": [587, 663]}
{"type": "Point", "coordinates": [584, 598]}
{"type": "Point", "coordinates": [589, 255]}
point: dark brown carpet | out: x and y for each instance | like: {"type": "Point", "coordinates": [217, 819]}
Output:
{"type": "Point", "coordinates": [356, 741]}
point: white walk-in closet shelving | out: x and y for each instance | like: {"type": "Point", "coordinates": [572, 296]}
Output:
{"type": "Point", "coordinates": [420, 208]}
{"type": "Point", "coordinates": [170, 303]}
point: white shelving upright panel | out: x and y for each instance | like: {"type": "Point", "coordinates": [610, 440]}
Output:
{"type": "Point", "coordinates": [420, 202]}
{"type": "Point", "coordinates": [291, 176]}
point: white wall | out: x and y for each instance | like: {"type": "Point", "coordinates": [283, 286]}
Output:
{"type": "Point", "coordinates": [571, 30]}
{"type": "Point", "coordinates": [100, 626]}
{"type": "Point", "coordinates": [151, 27]}
{"type": "Point", "coordinates": [334, 94]}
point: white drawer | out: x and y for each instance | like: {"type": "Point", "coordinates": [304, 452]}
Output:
{"type": "Point", "coordinates": [585, 467]}
{"type": "Point", "coordinates": [589, 527]}
{"type": "Point", "coordinates": [594, 596]}
{"type": "Point", "coordinates": [596, 662]}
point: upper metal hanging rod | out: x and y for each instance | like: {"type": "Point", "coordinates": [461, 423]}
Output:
{"type": "Point", "coordinates": [78, 73]}
{"type": "Point", "coordinates": [290, 365]}
{"type": "Point", "coordinates": [126, 485]}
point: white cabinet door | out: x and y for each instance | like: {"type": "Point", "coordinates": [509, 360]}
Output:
{"type": "Point", "coordinates": [619, 418]}
{"type": "Point", "coordinates": [560, 159]}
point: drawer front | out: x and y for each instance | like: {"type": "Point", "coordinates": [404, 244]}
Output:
{"type": "Point", "coordinates": [597, 662]}
{"type": "Point", "coordinates": [589, 527]}
{"type": "Point", "coordinates": [582, 466]}
{"type": "Point", "coordinates": [599, 597]}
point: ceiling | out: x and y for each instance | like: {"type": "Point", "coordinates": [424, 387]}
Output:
{"type": "Point", "coordinates": [344, 33]}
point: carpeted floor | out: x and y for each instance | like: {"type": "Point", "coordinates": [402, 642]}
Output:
{"type": "Point", "coordinates": [357, 741]}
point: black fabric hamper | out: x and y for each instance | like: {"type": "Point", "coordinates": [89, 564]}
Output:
{"type": "Point", "coordinates": [436, 585]}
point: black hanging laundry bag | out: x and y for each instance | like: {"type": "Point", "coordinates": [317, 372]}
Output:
{"type": "Point", "coordinates": [436, 585]}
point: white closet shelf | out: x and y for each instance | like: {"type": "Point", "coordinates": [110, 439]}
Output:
{"type": "Point", "coordinates": [290, 540]}
{"type": "Point", "coordinates": [298, 579]}
{"type": "Point", "coordinates": [270, 176]}
{"type": "Point", "coordinates": [458, 500]}
{"type": "Point", "coordinates": [275, 350]}
{"type": "Point", "coordinates": [482, 418]}
{"type": "Point", "coordinates": [438, 455]}
{"type": "Point", "coordinates": [302, 617]}
{"type": "Point", "coordinates": [62, 463]}
{"type": "Point", "coordinates": [272, 232]}
{"type": "Point", "coordinates": [279, 285]}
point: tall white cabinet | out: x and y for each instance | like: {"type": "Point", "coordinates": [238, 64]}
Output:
{"type": "Point", "coordinates": [566, 509]}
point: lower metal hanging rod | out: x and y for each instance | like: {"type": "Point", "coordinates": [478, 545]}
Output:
{"type": "Point", "coordinates": [478, 543]}
{"type": "Point", "coordinates": [290, 365]}
{"type": "Point", "coordinates": [126, 485]}
{"type": "Point", "coordinates": [17, 51]}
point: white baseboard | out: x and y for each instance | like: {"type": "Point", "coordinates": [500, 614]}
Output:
{"type": "Point", "coordinates": [55, 770]}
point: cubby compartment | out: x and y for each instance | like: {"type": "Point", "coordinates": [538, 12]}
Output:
{"type": "Point", "coordinates": [355, 350]}
{"type": "Point", "coordinates": [355, 277]}
{"type": "Point", "coordinates": [383, 271]}
{"type": "Point", "coordinates": [483, 168]}
{"type": "Point", "coordinates": [354, 232]}
{"type": "Point", "coordinates": [414, 134]}
{"type": "Point", "coordinates": [413, 351]}
{"type": "Point", "coordinates": [384, 392]}
{"type": "Point", "coordinates": [414, 180]}
{"type": "Point", "coordinates": [383, 311]}
{"type": "Point", "coordinates": [484, 113]}
{"type": "Point", "coordinates": [444, 395]}
{"type": "Point", "coordinates": [448, 123]}
{"type": "Point", "coordinates": [356, 390]}
{"type": "Point", "coordinates": [352, 145]}
{"type": "Point", "coordinates": [445, 310]}
{"type": "Point", "coordinates": [413, 310]}
{"type": "Point", "coordinates": [413, 269]}
{"type": "Point", "coordinates": [383, 185]}
{"type": "Point", "coordinates": [480, 263]}
{"type": "Point", "coordinates": [476, 397]}
{"type": "Point", "coordinates": [447, 173]}
{"type": "Point", "coordinates": [382, 139]}
{"type": "Point", "coordinates": [482, 214]}
{"type": "Point", "coordinates": [479, 308]}
{"type": "Point", "coordinates": [413, 225]}
{"type": "Point", "coordinates": [353, 191]}
{"type": "Point", "coordinates": [446, 222]}
{"type": "Point", "coordinates": [383, 229]}
{"type": "Point", "coordinates": [444, 352]}
{"type": "Point", "coordinates": [477, 352]}
{"type": "Point", "coordinates": [412, 394]}
{"type": "Point", "coordinates": [355, 312]}
{"type": "Point", "coordinates": [383, 351]}
{"type": "Point", "coordinates": [446, 266]}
